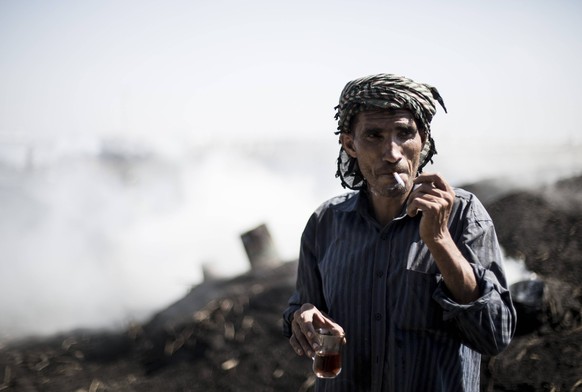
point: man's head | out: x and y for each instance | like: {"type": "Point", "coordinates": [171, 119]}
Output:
{"type": "Point", "coordinates": [385, 143]}
{"type": "Point", "coordinates": [384, 93]}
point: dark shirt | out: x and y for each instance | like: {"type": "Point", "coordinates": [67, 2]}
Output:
{"type": "Point", "coordinates": [404, 331]}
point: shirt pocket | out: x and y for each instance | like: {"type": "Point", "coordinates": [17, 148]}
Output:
{"type": "Point", "coordinates": [416, 310]}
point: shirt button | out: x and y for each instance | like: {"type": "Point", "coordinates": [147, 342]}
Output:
{"type": "Point", "coordinates": [378, 317]}
{"type": "Point", "coordinates": [380, 274]}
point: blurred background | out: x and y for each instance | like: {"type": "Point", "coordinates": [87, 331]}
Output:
{"type": "Point", "coordinates": [139, 139]}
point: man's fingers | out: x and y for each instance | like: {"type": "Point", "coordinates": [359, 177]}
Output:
{"type": "Point", "coordinates": [305, 321]}
{"type": "Point", "coordinates": [303, 333]}
{"type": "Point", "coordinates": [434, 179]}
{"type": "Point", "coordinates": [301, 345]}
{"type": "Point", "coordinates": [431, 193]}
{"type": "Point", "coordinates": [331, 325]}
{"type": "Point", "coordinates": [296, 345]}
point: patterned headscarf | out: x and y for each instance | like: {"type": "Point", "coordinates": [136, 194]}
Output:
{"type": "Point", "coordinates": [389, 92]}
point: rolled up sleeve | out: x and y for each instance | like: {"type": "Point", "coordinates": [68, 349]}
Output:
{"type": "Point", "coordinates": [487, 324]}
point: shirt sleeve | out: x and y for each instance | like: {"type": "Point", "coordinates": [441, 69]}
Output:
{"type": "Point", "coordinates": [487, 324]}
{"type": "Point", "coordinates": [308, 287]}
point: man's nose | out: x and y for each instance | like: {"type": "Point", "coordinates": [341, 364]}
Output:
{"type": "Point", "coordinates": [392, 151]}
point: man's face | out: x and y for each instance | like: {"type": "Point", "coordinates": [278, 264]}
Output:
{"type": "Point", "coordinates": [385, 142]}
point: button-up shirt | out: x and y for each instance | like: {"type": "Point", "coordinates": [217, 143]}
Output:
{"type": "Point", "coordinates": [404, 331]}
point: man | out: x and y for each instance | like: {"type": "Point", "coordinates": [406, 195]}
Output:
{"type": "Point", "coordinates": [408, 267]}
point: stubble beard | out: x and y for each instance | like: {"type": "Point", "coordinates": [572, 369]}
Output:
{"type": "Point", "coordinates": [392, 191]}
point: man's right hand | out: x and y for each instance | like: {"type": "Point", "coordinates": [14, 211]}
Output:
{"type": "Point", "coordinates": [305, 321]}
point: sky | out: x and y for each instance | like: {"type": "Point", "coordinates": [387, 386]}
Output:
{"type": "Point", "coordinates": [196, 71]}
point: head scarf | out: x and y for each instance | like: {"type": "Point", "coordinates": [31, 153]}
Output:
{"type": "Point", "coordinates": [387, 92]}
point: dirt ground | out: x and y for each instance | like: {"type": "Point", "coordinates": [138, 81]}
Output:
{"type": "Point", "coordinates": [234, 343]}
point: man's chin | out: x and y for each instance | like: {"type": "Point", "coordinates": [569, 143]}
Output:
{"type": "Point", "coordinates": [394, 190]}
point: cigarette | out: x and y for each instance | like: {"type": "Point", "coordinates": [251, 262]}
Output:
{"type": "Point", "coordinates": [398, 179]}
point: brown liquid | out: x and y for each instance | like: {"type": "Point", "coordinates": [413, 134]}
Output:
{"type": "Point", "coordinates": [327, 365]}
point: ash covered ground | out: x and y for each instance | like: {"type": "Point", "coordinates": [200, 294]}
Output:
{"type": "Point", "coordinates": [226, 335]}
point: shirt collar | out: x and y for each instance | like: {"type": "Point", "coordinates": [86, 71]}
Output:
{"type": "Point", "coordinates": [363, 206]}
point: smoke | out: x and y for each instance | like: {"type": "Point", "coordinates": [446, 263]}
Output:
{"type": "Point", "coordinates": [99, 237]}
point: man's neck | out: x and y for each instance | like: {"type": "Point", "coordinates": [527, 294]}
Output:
{"type": "Point", "coordinates": [386, 208]}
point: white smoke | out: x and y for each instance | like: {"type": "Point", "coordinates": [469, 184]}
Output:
{"type": "Point", "coordinates": [103, 235]}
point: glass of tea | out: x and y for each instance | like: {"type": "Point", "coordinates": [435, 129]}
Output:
{"type": "Point", "coordinates": [327, 362]}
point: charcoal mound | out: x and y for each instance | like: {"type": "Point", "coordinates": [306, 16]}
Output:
{"type": "Point", "coordinates": [233, 342]}
{"type": "Point", "coordinates": [544, 229]}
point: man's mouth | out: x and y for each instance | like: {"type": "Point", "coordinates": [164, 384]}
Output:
{"type": "Point", "coordinates": [398, 179]}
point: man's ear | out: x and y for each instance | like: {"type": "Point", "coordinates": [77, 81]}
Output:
{"type": "Point", "coordinates": [347, 142]}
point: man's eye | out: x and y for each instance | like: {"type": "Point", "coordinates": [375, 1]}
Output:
{"type": "Point", "coordinates": [407, 133]}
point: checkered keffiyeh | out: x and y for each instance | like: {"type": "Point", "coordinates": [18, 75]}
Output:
{"type": "Point", "coordinates": [390, 92]}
